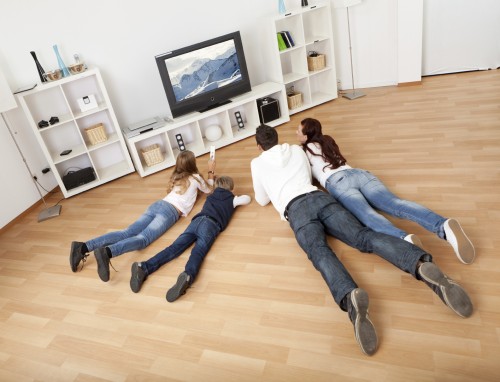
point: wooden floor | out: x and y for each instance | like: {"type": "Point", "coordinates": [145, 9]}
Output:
{"type": "Point", "coordinates": [259, 311]}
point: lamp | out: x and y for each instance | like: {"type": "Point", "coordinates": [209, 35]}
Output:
{"type": "Point", "coordinates": [350, 94]}
{"type": "Point", "coordinates": [7, 102]}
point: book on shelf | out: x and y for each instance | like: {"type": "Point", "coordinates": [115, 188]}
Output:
{"type": "Point", "coordinates": [289, 38]}
{"type": "Point", "coordinates": [285, 39]}
{"type": "Point", "coordinates": [281, 42]}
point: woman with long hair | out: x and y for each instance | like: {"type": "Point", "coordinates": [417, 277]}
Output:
{"type": "Point", "coordinates": [184, 184]}
{"type": "Point", "coordinates": [361, 192]}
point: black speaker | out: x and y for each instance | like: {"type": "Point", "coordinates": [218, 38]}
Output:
{"type": "Point", "coordinates": [180, 142]}
{"type": "Point", "coordinates": [239, 120]}
{"type": "Point", "coordinates": [78, 178]}
{"type": "Point", "coordinates": [269, 109]}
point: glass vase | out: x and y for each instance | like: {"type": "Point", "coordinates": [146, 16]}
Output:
{"type": "Point", "coordinates": [281, 6]}
{"type": "Point", "coordinates": [62, 66]}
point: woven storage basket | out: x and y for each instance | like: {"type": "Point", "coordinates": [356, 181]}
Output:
{"type": "Point", "coordinates": [316, 62]}
{"type": "Point", "coordinates": [152, 155]}
{"type": "Point", "coordinates": [294, 100]}
{"type": "Point", "coordinates": [96, 134]}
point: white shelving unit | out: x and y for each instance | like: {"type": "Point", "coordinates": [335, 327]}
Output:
{"type": "Point", "coordinates": [311, 30]}
{"type": "Point", "coordinates": [109, 159]}
{"type": "Point", "coordinates": [192, 128]}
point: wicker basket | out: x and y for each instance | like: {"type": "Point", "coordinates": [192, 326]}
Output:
{"type": "Point", "coordinates": [152, 155]}
{"type": "Point", "coordinates": [96, 134]}
{"type": "Point", "coordinates": [316, 62]}
{"type": "Point", "coordinates": [294, 100]}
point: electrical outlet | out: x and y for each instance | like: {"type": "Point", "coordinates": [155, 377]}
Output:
{"type": "Point", "coordinates": [339, 85]}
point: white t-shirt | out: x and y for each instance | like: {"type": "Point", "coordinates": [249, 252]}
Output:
{"type": "Point", "coordinates": [185, 202]}
{"type": "Point", "coordinates": [318, 165]}
{"type": "Point", "coordinates": [280, 174]}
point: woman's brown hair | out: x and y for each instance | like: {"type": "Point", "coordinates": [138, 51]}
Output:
{"type": "Point", "coordinates": [185, 166]}
{"type": "Point", "coordinates": [330, 151]}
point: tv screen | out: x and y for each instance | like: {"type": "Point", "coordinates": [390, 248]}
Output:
{"type": "Point", "coordinates": [204, 75]}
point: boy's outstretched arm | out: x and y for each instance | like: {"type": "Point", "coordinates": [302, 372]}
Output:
{"type": "Point", "coordinates": [241, 200]}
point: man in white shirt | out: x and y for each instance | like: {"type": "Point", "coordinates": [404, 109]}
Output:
{"type": "Point", "coordinates": [281, 174]}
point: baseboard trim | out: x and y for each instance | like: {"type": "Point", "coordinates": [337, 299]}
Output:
{"type": "Point", "coordinates": [410, 83]}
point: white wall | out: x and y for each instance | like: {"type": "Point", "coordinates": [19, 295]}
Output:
{"type": "Point", "coordinates": [122, 38]}
{"type": "Point", "coordinates": [18, 191]}
{"type": "Point", "coordinates": [461, 35]}
{"type": "Point", "coordinates": [119, 37]}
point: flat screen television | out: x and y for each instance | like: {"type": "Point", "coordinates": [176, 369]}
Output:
{"type": "Point", "coordinates": [205, 75]}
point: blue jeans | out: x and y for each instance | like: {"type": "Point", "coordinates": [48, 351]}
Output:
{"type": "Point", "coordinates": [202, 231]}
{"type": "Point", "coordinates": [318, 214]}
{"type": "Point", "coordinates": [360, 191]}
{"type": "Point", "coordinates": [153, 223]}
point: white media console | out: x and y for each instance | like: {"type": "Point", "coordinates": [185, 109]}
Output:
{"type": "Point", "coordinates": [193, 127]}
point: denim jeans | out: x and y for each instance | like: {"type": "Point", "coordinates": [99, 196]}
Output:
{"type": "Point", "coordinates": [360, 191]}
{"type": "Point", "coordinates": [317, 214]}
{"type": "Point", "coordinates": [202, 231]}
{"type": "Point", "coordinates": [153, 223]}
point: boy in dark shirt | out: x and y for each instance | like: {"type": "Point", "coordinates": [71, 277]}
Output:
{"type": "Point", "coordinates": [203, 230]}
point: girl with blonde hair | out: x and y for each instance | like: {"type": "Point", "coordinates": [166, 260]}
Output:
{"type": "Point", "coordinates": [183, 187]}
{"type": "Point", "coordinates": [204, 228]}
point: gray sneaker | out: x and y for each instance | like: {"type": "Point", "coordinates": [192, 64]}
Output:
{"type": "Point", "coordinates": [138, 277]}
{"type": "Point", "coordinates": [102, 258]}
{"type": "Point", "coordinates": [357, 308]}
{"type": "Point", "coordinates": [452, 294]}
{"type": "Point", "coordinates": [461, 244]}
{"type": "Point", "coordinates": [179, 288]}
{"type": "Point", "coordinates": [77, 255]}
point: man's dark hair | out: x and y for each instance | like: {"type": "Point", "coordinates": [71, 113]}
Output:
{"type": "Point", "coordinates": [266, 137]}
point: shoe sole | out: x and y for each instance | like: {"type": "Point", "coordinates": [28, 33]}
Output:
{"type": "Point", "coordinates": [454, 295]}
{"type": "Point", "coordinates": [74, 267]}
{"type": "Point", "coordinates": [415, 240]}
{"type": "Point", "coordinates": [363, 327]}
{"type": "Point", "coordinates": [179, 288]}
{"type": "Point", "coordinates": [459, 241]}
{"type": "Point", "coordinates": [135, 285]}
{"type": "Point", "coordinates": [101, 257]}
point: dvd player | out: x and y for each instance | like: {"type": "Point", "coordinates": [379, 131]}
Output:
{"type": "Point", "coordinates": [143, 127]}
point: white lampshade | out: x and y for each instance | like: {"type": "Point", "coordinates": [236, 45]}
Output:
{"type": "Point", "coordinates": [7, 100]}
{"type": "Point", "coordinates": [345, 3]}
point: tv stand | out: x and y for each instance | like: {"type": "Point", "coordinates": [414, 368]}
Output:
{"type": "Point", "coordinates": [192, 127]}
{"type": "Point", "coordinates": [213, 106]}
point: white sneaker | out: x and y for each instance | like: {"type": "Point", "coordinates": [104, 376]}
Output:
{"type": "Point", "coordinates": [459, 241]}
{"type": "Point", "coordinates": [414, 239]}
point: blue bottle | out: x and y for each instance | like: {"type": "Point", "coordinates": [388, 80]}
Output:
{"type": "Point", "coordinates": [281, 6]}
{"type": "Point", "coordinates": [62, 66]}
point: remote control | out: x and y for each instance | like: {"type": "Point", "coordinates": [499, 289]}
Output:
{"type": "Point", "coordinates": [212, 152]}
